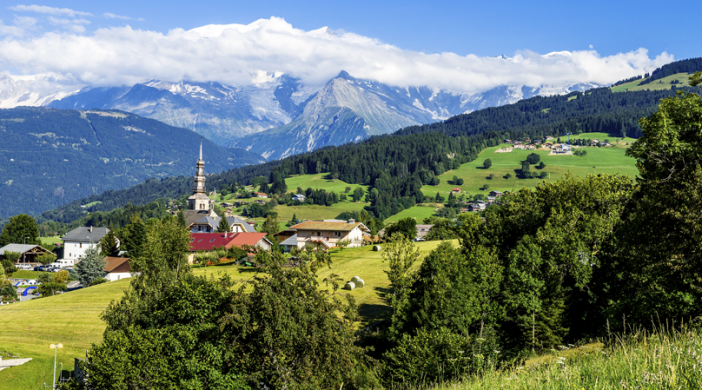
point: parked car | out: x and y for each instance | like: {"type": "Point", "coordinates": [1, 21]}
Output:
{"type": "Point", "coordinates": [24, 267]}
{"type": "Point", "coordinates": [39, 268]}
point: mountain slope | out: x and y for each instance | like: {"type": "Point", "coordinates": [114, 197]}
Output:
{"type": "Point", "coordinates": [50, 157]}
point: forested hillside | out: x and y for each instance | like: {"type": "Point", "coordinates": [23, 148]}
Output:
{"type": "Point", "coordinates": [397, 165]}
{"type": "Point", "coordinates": [688, 66]}
{"type": "Point", "coordinates": [597, 110]}
{"type": "Point", "coordinates": [51, 157]}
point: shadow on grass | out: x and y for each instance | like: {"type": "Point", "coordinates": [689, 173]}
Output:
{"type": "Point", "coordinates": [371, 313]}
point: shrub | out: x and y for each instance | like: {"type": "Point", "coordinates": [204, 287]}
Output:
{"type": "Point", "coordinates": [438, 355]}
{"type": "Point", "coordinates": [98, 281]}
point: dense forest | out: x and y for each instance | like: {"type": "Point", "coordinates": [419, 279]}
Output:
{"type": "Point", "coordinates": [688, 66]}
{"type": "Point", "coordinates": [597, 110]}
{"type": "Point", "coordinates": [51, 157]}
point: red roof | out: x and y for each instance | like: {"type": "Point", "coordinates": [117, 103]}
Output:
{"type": "Point", "coordinates": [207, 241]}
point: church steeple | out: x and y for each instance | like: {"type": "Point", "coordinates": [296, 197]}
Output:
{"type": "Point", "coordinates": [199, 199]}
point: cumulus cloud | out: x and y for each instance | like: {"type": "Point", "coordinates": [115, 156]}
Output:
{"type": "Point", "coordinates": [236, 54]}
{"type": "Point", "coordinates": [43, 9]}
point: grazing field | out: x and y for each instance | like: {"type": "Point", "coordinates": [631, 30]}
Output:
{"type": "Point", "coordinates": [319, 181]}
{"type": "Point", "coordinates": [50, 240]}
{"type": "Point", "coordinates": [663, 83]}
{"type": "Point", "coordinates": [597, 160]}
{"type": "Point", "coordinates": [73, 319]}
{"type": "Point", "coordinates": [418, 212]}
{"type": "Point", "coordinates": [613, 139]}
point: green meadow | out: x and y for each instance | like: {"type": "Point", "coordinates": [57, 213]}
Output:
{"type": "Point", "coordinates": [598, 160]}
{"type": "Point", "coordinates": [319, 181]}
{"type": "Point", "coordinates": [663, 83]}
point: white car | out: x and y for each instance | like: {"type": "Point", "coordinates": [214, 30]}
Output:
{"type": "Point", "coordinates": [24, 267]}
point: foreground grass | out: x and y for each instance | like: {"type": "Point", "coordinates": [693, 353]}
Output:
{"type": "Point", "coordinates": [73, 319]}
{"type": "Point", "coordinates": [664, 360]}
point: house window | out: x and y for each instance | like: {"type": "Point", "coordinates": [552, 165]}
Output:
{"type": "Point", "coordinates": [81, 245]}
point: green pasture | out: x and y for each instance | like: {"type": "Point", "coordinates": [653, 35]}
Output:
{"type": "Point", "coordinates": [73, 318]}
{"type": "Point", "coordinates": [318, 181]}
{"type": "Point", "coordinates": [418, 212]}
{"type": "Point", "coordinates": [22, 274]}
{"type": "Point", "coordinates": [50, 240]}
{"type": "Point", "coordinates": [598, 160]}
{"type": "Point", "coordinates": [663, 83]}
{"type": "Point", "coordinates": [613, 139]}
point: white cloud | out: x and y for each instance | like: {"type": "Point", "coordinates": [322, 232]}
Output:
{"type": "Point", "coordinates": [43, 9]}
{"type": "Point", "coordinates": [110, 15]}
{"type": "Point", "coordinates": [234, 54]}
{"type": "Point", "coordinates": [64, 21]}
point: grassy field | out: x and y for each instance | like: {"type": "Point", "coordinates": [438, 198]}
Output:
{"type": "Point", "coordinates": [663, 83]}
{"type": "Point", "coordinates": [613, 139]}
{"type": "Point", "coordinates": [418, 212]}
{"type": "Point", "coordinates": [50, 240]}
{"type": "Point", "coordinates": [73, 319]}
{"type": "Point", "coordinates": [318, 181]}
{"type": "Point", "coordinates": [22, 274]}
{"type": "Point", "coordinates": [597, 160]}
{"type": "Point", "coordinates": [664, 360]}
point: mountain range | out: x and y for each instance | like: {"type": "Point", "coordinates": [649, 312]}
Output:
{"type": "Point", "coordinates": [280, 116]}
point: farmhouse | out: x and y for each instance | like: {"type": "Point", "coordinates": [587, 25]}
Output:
{"type": "Point", "coordinates": [423, 230]}
{"type": "Point", "coordinates": [117, 268]}
{"type": "Point", "coordinates": [261, 195]}
{"type": "Point", "coordinates": [78, 240]}
{"type": "Point", "coordinates": [326, 234]}
{"type": "Point", "coordinates": [456, 190]}
{"type": "Point", "coordinates": [299, 197]}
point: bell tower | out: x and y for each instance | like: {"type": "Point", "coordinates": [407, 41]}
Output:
{"type": "Point", "coordinates": [199, 200]}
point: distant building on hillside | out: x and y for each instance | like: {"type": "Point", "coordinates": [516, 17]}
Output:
{"type": "Point", "coordinates": [326, 234]}
{"type": "Point", "coordinates": [78, 240]}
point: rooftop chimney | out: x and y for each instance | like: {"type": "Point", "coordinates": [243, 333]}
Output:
{"type": "Point", "coordinates": [91, 229]}
{"type": "Point", "coordinates": [352, 220]}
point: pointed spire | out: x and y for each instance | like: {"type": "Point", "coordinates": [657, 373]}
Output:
{"type": "Point", "coordinates": [200, 148]}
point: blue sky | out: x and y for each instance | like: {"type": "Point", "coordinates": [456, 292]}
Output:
{"type": "Point", "coordinates": [463, 27]}
{"type": "Point", "coordinates": [440, 44]}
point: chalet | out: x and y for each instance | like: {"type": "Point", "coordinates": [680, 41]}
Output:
{"type": "Point", "coordinates": [284, 234]}
{"type": "Point", "coordinates": [326, 234]}
{"type": "Point", "coordinates": [117, 268]}
{"type": "Point", "coordinates": [496, 194]}
{"type": "Point", "coordinates": [29, 252]}
{"type": "Point", "coordinates": [549, 137]}
{"type": "Point", "coordinates": [238, 225]}
{"type": "Point", "coordinates": [210, 224]}
{"type": "Point", "coordinates": [299, 197]}
{"type": "Point", "coordinates": [78, 240]}
{"type": "Point", "coordinates": [261, 195]}
{"type": "Point", "coordinates": [456, 190]}
{"type": "Point", "coordinates": [491, 199]}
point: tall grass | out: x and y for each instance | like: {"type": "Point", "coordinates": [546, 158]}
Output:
{"type": "Point", "coordinates": [667, 358]}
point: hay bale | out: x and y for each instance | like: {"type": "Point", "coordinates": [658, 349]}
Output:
{"type": "Point", "coordinates": [359, 283]}
{"type": "Point", "coordinates": [350, 286]}
{"type": "Point", "coordinates": [376, 248]}
{"type": "Point", "coordinates": [355, 278]}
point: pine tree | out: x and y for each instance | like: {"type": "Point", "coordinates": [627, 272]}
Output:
{"type": "Point", "coordinates": [91, 267]}
{"type": "Point", "coordinates": [223, 226]}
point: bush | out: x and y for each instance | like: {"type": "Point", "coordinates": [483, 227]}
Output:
{"type": "Point", "coordinates": [533, 158]}
{"type": "Point", "coordinates": [438, 355]}
{"type": "Point", "coordinates": [98, 281]}
{"type": "Point", "coordinates": [508, 176]}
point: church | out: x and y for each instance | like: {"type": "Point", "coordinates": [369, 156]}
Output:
{"type": "Point", "coordinates": [200, 216]}
{"type": "Point", "coordinates": [199, 204]}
